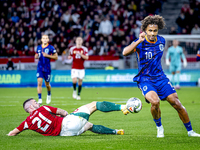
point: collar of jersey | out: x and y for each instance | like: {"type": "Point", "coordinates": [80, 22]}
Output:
{"type": "Point", "coordinates": [150, 41]}
{"type": "Point", "coordinates": [45, 46]}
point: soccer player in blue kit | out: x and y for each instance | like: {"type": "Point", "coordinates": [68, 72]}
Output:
{"type": "Point", "coordinates": [151, 80]}
{"type": "Point", "coordinates": [44, 53]}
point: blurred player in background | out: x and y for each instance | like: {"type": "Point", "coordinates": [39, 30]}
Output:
{"type": "Point", "coordinates": [51, 121]}
{"type": "Point", "coordinates": [198, 55]}
{"type": "Point", "coordinates": [175, 53]}
{"type": "Point", "coordinates": [151, 80]}
{"type": "Point", "coordinates": [44, 53]}
{"type": "Point", "coordinates": [79, 54]}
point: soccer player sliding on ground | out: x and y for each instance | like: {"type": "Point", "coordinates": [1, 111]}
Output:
{"type": "Point", "coordinates": [51, 121]}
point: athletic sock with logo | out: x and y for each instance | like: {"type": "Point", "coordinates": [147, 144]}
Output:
{"type": "Point", "coordinates": [158, 122]}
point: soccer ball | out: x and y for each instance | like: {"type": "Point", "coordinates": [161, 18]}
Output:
{"type": "Point", "coordinates": [134, 105]}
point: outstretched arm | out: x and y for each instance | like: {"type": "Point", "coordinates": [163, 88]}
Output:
{"type": "Point", "coordinates": [13, 132]}
{"type": "Point", "coordinates": [130, 48]}
{"type": "Point", "coordinates": [61, 112]}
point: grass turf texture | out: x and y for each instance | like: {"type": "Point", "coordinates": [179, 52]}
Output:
{"type": "Point", "coordinates": [140, 130]}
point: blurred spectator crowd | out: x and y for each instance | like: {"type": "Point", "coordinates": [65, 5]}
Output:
{"type": "Point", "coordinates": [106, 26]}
{"type": "Point", "coordinates": [188, 22]}
{"type": "Point", "coordinates": [189, 19]}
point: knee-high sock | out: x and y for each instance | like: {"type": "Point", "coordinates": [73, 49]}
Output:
{"type": "Point", "coordinates": [173, 82]}
{"type": "Point", "coordinates": [74, 86]}
{"type": "Point", "coordinates": [158, 122]}
{"type": "Point", "coordinates": [102, 130]}
{"type": "Point", "coordinates": [188, 126]}
{"type": "Point", "coordinates": [108, 106]}
{"type": "Point", "coordinates": [79, 89]}
{"type": "Point", "coordinates": [178, 79]}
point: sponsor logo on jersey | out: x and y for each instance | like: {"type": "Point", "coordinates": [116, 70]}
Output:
{"type": "Point", "coordinates": [161, 47]}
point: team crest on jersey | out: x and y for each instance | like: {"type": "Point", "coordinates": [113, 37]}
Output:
{"type": "Point", "coordinates": [46, 50]}
{"type": "Point", "coordinates": [74, 52]}
{"type": "Point", "coordinates": [145, 88]}
{"type": "Point", "coordinates": [161, 47]}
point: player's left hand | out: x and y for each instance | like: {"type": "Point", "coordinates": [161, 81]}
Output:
{"type": "Point", "coordinates": [44, 54]}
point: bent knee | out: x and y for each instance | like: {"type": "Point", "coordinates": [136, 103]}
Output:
{"type": "Point", "coordinates": [94, 102]}
{"type": "Point", "coordinates": [88, 126]}
{"type": "Point", "coordinates": [47, 84]}
{"type": "Point", "coordinates": [155, 102]}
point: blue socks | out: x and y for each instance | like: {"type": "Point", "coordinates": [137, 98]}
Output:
{"type": "Point", "coordinates": [39, 95]}
{"type": "Point", "coordinates": [158, 122]}
{"type": "Point", "coordinates": [49, 92]}
{"type": "Point", "coordinates": [188, 126]}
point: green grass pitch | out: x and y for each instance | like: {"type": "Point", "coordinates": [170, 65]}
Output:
{"type": "Point", "coordinates": [140, 130]}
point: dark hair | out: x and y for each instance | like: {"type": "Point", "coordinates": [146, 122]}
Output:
{"type": "Point", "coordinates": [27, 101]}
{"type": "Point", "coordinates": [157, 20]}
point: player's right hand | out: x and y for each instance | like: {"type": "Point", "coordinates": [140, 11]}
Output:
{"type": "Point", "coordinates": [142, 36]}
{"type": "Point", "coordinates": [69, 57]}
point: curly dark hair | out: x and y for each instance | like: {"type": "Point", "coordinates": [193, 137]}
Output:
{"type": "Point", "coordinates": [157, 20]}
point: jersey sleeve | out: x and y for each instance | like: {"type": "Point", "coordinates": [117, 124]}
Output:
{"type": "Point", "coordinates": [23, 126]}
{"type": "Point", "coordinates": [198, 55]}
{"type": "Point", "coordinates": [71, 51]}
{"type": "Point", "coordinates": [53, 50]}
{"type": "Point", "coordinates": [137, 46]}
{"type": "Point", "coordinates": [86, 51]}
{"type": "Point", "coordinates": [37, 50]}
{"type": "Point", "coordinates": [50, 109]}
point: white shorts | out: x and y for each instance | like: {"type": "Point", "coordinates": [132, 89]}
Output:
{"type": "Point", "coordinates": [73, 125]}
{"type": "Point", "coordinates": [78, 73]}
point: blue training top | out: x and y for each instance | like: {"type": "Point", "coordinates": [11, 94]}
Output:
{"type": "Point", "coordinates": [44, 62]}
{"type": "Point", "coordinates": [149, 56]}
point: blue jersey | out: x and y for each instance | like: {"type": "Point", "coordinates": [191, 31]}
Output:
{"type": "Point", "coordinates": [149, 56]}
{"type": "Point", "coordinates": [44, 62]}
